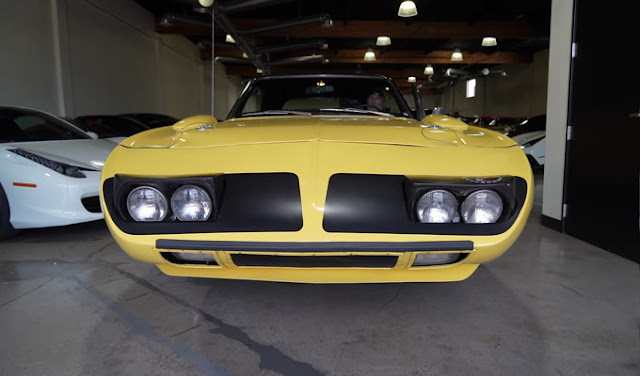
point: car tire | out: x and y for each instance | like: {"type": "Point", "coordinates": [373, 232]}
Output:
{"type": "Point", "coordinates": [6, 230]}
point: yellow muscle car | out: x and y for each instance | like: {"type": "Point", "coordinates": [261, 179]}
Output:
{"type": "Point", "coordinates": [319, 179]}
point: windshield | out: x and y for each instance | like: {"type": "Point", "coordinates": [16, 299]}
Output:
{"type": "Point", "coordinates": [26, 125]}
{"type": "Point", "coordinates": [321, 95]}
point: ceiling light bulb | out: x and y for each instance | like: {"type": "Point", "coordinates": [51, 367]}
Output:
{"type": "Point", "coordinates": [229, 39]}
{"type": "Point", "coordinates": [428, 70]}
{"type": "Point", "coordinates": [383, 41]}
{"type": "Point", "coordinates": [489, 41]}
{"type": "Point", "coordinates": [369, 55]}
{"type": "Point", "coordinates": [456, 55]}
{"type": "Point", "coordinates": [407, 9]}
{"type": "Point", "coordinates": [411, 79]}
{"type": "Point", "coordinates": [206, 3]}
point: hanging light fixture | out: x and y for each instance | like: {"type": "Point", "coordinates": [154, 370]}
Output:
{"type": "Point", "coordinates": [489, 41]}
{"type": "Point", "coordinates": [383, 41]}
{"type": "Point", "coordinates": [456, 55]}
{"type": "Point", "coordinates": [428, 70]}
{"type": "Point", "coordinates": [229, 39]}
{"type": "Point", "coordinates": [369, 55]}
{"type": "Point", "coordinates": [407, 9]}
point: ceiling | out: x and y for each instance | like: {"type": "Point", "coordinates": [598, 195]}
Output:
{"type": "Point", "coordinates": [294, 36]}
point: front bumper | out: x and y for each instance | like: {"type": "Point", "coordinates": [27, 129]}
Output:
{"type": "Point", "coordinates": [313, 237]}
{"type": "Point", "coordinates": [56, 200]}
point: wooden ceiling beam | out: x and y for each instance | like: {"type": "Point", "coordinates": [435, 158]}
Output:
{"type": "Point", "coordinates": [355, 56]}
{"type": "Point", "coordinates": [405, 30]}
{"type": "Point", "coordinates": [372, 29]}
{"type": "Point", "coordinates": [245, 70]}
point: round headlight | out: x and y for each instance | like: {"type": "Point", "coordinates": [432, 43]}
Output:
{"type": "Point", "coordinates": [482, 207]}
{"type": "Point", "coordinates": [437, 206]}
{"type": "Point", "coordinates": [191, 203]}
{"type": "Point", "coordinates": [147, 204]}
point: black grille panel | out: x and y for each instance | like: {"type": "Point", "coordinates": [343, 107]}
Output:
{"type": "Point", "coordinates": [315, 261]}
{"type": "Point", "coordinates": [92, 204]}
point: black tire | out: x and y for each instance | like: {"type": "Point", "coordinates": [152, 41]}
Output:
{"type": "Point", "coordinates": [6, 230]}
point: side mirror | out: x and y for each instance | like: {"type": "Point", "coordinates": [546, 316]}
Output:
{"type": "Point", "coordinates": [444, 121]}
{"type": "Point", "coordinates": [194, 122]}
{"type": "Point", "coordinates": [93, 135]}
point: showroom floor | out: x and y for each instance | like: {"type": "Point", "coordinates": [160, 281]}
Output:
{"type": "Point", "coordinates": [72, 303]}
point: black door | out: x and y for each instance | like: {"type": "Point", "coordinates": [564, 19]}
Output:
{"type": "Point", "coordinates": [603, 155]}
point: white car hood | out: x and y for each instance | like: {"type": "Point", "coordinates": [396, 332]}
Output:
{"type": "Point", "coordinates": [85, 153]}
{"type": "Point", "coordinates": [526, 137]}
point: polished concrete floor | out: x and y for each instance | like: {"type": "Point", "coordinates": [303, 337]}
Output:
{"type": "Point", "coordinates": [72, 303]}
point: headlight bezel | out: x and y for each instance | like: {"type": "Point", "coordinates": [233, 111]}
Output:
{"type": "Point", "coordinates": [504, 186]}
{"type": "Point", "coordinates": [166, 186]}
{"type": "Point", "coordinates": [238, 203]}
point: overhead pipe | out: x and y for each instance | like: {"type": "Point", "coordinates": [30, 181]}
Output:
{"type": "Point", "coordinates": [324, 18]}
{"type": "Point", "coordinates": [172, 19]}
{"type": "Point", "coordinates": [299, 59]}
{"type": "Point", "coordinates": [231, 60]}
{"type": "Point", "coordinates": [293, 46]}
{"type": "Point", "coordinates": [218, 15]}
{"type": "Point", "coordinates": [240, 5]}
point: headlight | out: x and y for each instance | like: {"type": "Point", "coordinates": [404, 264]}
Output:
{"type": "Point", "coordinates": [191, 203]}
{"type": "Point", "coordinates": [59, 167]}
{"type": "Point", "coordinates": [482, 207]}
{"type": "Point", "coordinates": [147, 204]}
{"type": "Point", "coordinates": [437, 206]}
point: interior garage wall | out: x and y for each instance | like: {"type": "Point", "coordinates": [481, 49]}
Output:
{"type": "Point", "coordinates": [27, 65]}
{"type": "Point", "coordinates": [228, 89]}
{"type": "Point", "coordinates": [77, 57]}
{"type": "Point", "coordinates": [114, 65]}
{"type": "Point", "coordinates": [522, 93]}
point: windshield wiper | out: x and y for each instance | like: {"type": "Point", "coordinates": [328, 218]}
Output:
{"type": "Point", "coordinates": [276, 112]}
{"type": "Point", "coordinates": [357, 111]}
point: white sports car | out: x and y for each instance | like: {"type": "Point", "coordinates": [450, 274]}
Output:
{"type": "Point", "coordinates": [49, 171]}
{"type": "Point", "coordinates": [534, 146]}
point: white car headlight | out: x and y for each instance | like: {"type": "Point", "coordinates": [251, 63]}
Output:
{"type": "Point", "coordinates": [482, 207]}
{"type": "Point", "coordinates": [437, 206]}
{"type": "Point", "coordinates": [147, 204]}
{"type": "Point", "coordinates": [59, 167]}
{"type": "Point", "coordinates": [191, 203]}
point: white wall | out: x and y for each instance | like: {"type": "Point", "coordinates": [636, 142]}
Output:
{"type": "Point", "coordinates": [27, 64]}
{"type": "Point", "coordinates": [77, 57]}
{"type": "Point", "coordinates": [228, 89]}
{"type": "Point", "coordinates": [557, 107]}
{"type": "Point", "coordinates": [523, 92]}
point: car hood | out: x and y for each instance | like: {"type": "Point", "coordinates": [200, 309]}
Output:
{"type": "Point", "coordinates": [348, 129]}
{"type": "Point", "coordinates": [86, 153]}
{"type": "Point", "coordinates": [530, 136]}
